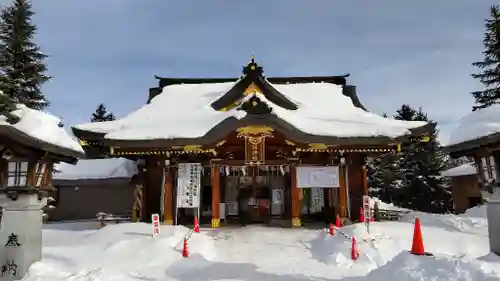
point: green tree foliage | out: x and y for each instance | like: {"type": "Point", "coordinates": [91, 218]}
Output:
{"type": "Point", "coordinates": [411, 179]}
{"type": "Point", "coordinates": [490, 66]}
{"type": "Point", "coordinates": [101, 114]}
{"type": "Point", "coordinates": [21, 61]}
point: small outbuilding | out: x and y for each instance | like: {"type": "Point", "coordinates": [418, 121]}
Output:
{"type": "Point", "coordinates": [465, 186]}
{"type": "Point", "coordinates": [92, 186]}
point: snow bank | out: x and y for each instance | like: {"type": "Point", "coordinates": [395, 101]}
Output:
{"type": "Point", "coordinates": [475, 212]}
{"type": "Point", "coordinates": [477, 124]}
{"type": "Point", "coordinates": [462, 170]}
{"type": "Point", "coordinates": [128, 252]}
{"type": "Point", "coordinates": [123, 251]}
{"type": "Point", "coordinates": [472, 221]}
{"type": "Point", "coordinates": [184, 111]}
{"type": "Point", "coordinates": [386, 206]}
{"type": "Point", "coordinates": [443, 268]}
{"type": "Point", "coordinates": [42, 126]}
{"type": "Point", "coordinates": [96, 169]}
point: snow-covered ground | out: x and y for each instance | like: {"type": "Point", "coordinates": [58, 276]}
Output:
{"type": "Point", "coordinates": [77, 251]}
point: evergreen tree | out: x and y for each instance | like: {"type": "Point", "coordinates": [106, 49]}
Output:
{"type": "Point", "coordinates": [420, 169]}
{"type": "Point", "coordinates": [20, 58]}
{"type": "Point", "coordinates": [101, 114]}
{"type": "Point", "coordinates": [381, 171]}
{"type": "Point", "coordinates": [382, 177]}
{"type": "Point", "coordinates": [490, 66]}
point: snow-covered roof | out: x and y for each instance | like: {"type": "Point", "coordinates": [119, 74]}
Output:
{"type": "Point", "coordinates": [462, 170]}
{"type": "Point", "coordinates": [184, 111]}
{"type": "Point", "coordinates": [96, 169]}
{"type": "Point", "coordinates": [477, 124]}
{"type": "Point", "coordinates": [43, 127]}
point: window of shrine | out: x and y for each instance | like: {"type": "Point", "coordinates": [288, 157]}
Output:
{"type": "Point", "coordinates": [17, 174]}
{"type": "Point", "coordinates": [488, 168]}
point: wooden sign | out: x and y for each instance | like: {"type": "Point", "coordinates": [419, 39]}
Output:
{"type": "Point", "coordinates": [367, 208]}
{"type": "Point", "coordinates": [155, 218]}
{"type": "Point", "coordinates": [255, 143]}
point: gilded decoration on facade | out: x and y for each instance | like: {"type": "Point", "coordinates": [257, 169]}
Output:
{"type": "Point", "coordinates": [255, 143]}
{"type": "Point", "coordinates": [83, 142]}
{"type": "Point", "coordinates": [252, 89]}
{"type": "Point", "coordinates": [254, 130]}
{"type": "Point", "coordinates": [221, 143]}
{"type": "Point", "coordinates": [187, 149]}
{"type": "Point", "coordinates": [318, 146]}
{"type": "Point", "coordinates": [347, 150]}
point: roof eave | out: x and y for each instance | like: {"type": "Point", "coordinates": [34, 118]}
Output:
{"type": "Point", "coordinates": [230, 124]}
{"type": "Point", "coordinates": [87, 134]}
{"type": "Point", "coordinates": [338, 80]}
{"type": "Point", "coordinates": [467, 148]}
{"type": "Point", "coordinates": [64, 154]}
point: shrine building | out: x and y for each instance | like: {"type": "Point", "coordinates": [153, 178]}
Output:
{"type": "Point", "coordinates": [297, 145]}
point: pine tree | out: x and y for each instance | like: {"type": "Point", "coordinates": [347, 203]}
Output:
{"type": "Point", "coordinates": [20, 58]}
{"type": "Point", "coordinates": [101, 114]}
{"type": "Point", "coordinates": [490, 66]}
{"type": "Point", "coordinates": [420, 169]}
{"type": "Point", "coordinates": [381, 175]}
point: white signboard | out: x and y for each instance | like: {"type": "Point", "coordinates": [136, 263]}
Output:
{"type": "Point", "coordinates": [317, 201]}
{"type": "Point", "coordinates": [222, 211]}
{"type": "Point", "coordinates": [155, 218]}
{"type": "Point", "coordinates": [189, 185]}
{"type": "Point", "coordinates": [319, 177]}
{"type": "Point", "coordinates": [277, 196]}
{"type": "Point", "coordinates": [366, 208]}
{"type": "Point", "coordinates": [232, 208]}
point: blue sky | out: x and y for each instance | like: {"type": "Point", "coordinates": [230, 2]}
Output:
{"type": "Point", "coordinates": [415, 52]}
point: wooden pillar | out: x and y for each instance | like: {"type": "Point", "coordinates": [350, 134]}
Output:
{"type": "Point", "coordinates": [364, 180]}
{"type": "Point", "coordinates": [47, 178]}
{"type": "Point", "coordinates": [295, 194]}
{"type": "Point", "coordinates": [342, 192]}
{"type": "Point", "coordinates": [137, 208]}
{"type": "Point", "coordinates": [168, 217]}
{"type": "Point", "coordinates": [31, 180]}
{"type": "Point", "coordinates": [215, 180]}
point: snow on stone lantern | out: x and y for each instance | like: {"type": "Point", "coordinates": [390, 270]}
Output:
{"type": "Point", "coordinates": [476, 137]}
{"type": "Point", "coordinates": [27, 155]}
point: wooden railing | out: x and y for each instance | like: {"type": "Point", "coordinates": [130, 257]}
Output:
{"type": "Point", "coordinates": [105, 219]}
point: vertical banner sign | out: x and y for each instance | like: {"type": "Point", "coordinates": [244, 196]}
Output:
{"type": "Point", "coordinates": [155, 218]}
{"type": "Point", "coordinates": [367, 211]}
{"type": "Point", "coordinates": [189, 185]}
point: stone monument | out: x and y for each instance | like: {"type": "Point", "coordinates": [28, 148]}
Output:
{"type": "Point", "coordinates": [20, 233]}
{"type": "Point", "coordinates": [492, 198]}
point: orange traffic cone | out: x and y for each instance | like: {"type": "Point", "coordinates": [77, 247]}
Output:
{"type": "Point", "coordinates": [354, 250]}
{"type": "Point", "coordinates": [332, 232]}
{"type": "Point", "coordinates": [196, 227]}
{"type": "Point", "coordinates": [417, 247]}
{"type": "Point", "coordinates": [361, 214]}
{"type": "Point", "coordinates": [337, 222]}
{"type": "Point", "coordinates": [185, 251]}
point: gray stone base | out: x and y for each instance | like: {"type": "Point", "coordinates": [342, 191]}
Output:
{"type": "Point", "coordinates": [493, 211]}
